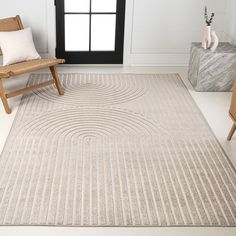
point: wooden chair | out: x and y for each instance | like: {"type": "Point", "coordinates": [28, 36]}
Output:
{"type": "Point", "coordinates": [232, 112]}
{"type": "Point", "coordinates": [13, 24]}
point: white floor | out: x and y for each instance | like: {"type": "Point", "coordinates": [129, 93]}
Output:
{"type": "Point", "coordinates": [214, 107]}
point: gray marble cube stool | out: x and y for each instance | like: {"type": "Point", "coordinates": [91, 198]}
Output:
{"type": "Point", "coordinates": [212, 71]}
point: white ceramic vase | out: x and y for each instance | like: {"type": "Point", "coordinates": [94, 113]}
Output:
{"type": "Point", "coordinates": [206, 41]}
{"type": "Point", "coordinates": [215, 41]}
{"type": "Point", "coordinates": [210, 36]}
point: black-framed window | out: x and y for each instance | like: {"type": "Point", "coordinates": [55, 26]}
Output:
{"type": "Point", "coordinates": [90, 31]}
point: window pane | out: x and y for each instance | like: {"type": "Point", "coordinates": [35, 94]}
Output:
{"type": "Point", "coordinates": [76, 32]}
{"type": "Point", "coordinates": [103, 32]}
{"type": "Point", "coordinates": [104, 5]}
{"type": "Point", "coordinates": [77, 5]}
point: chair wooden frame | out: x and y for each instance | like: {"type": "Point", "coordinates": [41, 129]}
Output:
{"type": "Point", "coordinates": [232, 112]}
{"type": "Point", "coordinates": [14, 24]}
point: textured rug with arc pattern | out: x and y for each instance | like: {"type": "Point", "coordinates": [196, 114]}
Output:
{"type": "Point", "coordinates": [115, 150]}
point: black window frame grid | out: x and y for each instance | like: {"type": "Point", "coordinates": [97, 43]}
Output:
{"type": "Point", "coordinates": [90, 57]}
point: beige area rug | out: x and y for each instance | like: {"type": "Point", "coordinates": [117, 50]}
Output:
{"type": "Point", "coordinates": [115, 150]}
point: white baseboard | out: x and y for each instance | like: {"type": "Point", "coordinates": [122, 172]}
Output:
{"type": "Point", "coordinates": [161, 59]}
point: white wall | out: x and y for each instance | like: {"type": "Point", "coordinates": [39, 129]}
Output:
{"type": "Point", "coordinates": [33, 14]}
{"type": "Point", "coordinates": [162, 30]}
{"type": "Point", "coordinates": [230, 22]}
{"type": "Point", "coordinates": [158, 32]}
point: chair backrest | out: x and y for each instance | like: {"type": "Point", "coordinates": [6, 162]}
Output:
{"type": "Point", "coordinates": [233, 102]}
{"type": "Point", "coordinates": [10, 24]}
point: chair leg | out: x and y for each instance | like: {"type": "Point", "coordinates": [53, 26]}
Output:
{"type": "Point", "coordinates": [232, 131]}
{"type": "Point", "coordinates": [4, 98]}
{"type": "Point", "coordinates": [56, 79]}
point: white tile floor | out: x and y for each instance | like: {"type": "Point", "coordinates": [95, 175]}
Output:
{"type": "Point", "coordinates": [214, 107]}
